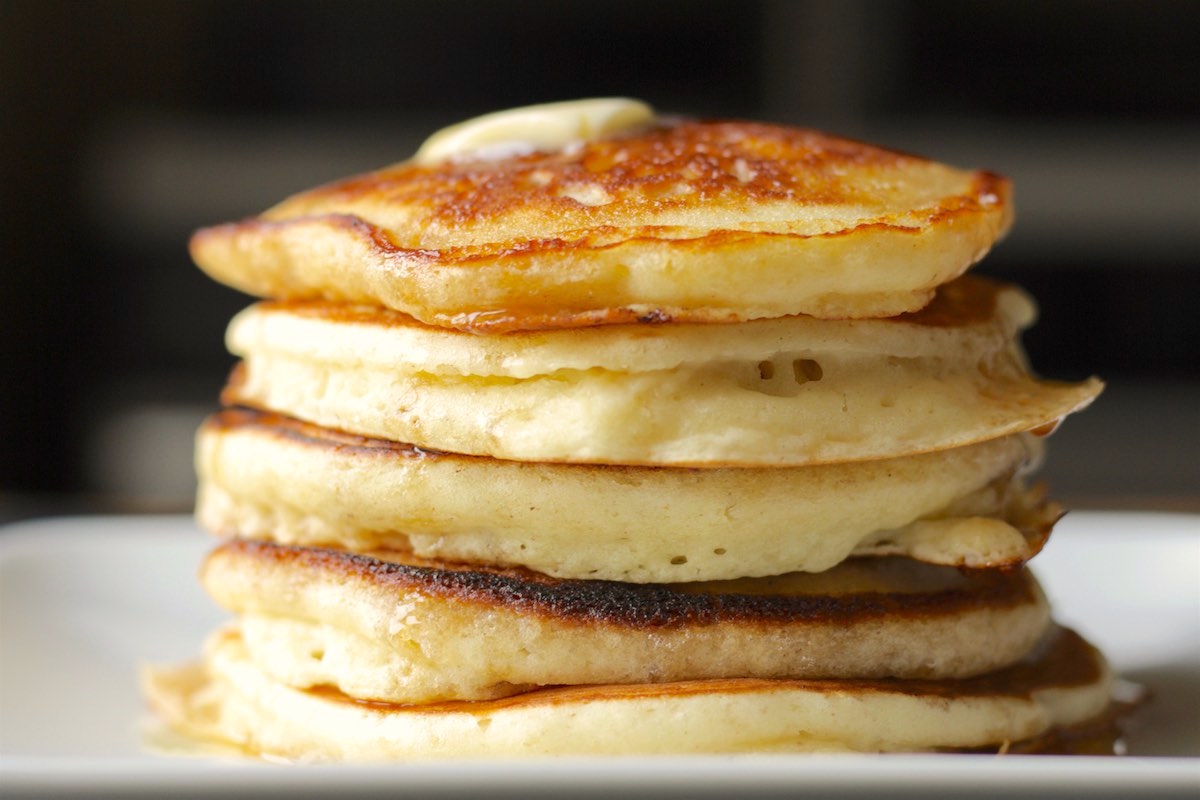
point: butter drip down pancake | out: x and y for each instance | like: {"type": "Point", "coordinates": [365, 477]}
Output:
{"type": "Point", "coordinates": [783, 392]}
{"type": "Point", "coordinates": [681, 219]}
{"type": "Point", "coordinates": [269, 477]}
{"type": "Point", "coordinates": [1062, 682]}
{"type": "Point", "coordinates": [390, 626]}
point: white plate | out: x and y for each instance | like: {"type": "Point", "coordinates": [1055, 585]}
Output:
{"type": "Point", "coordinates": [83, 601]}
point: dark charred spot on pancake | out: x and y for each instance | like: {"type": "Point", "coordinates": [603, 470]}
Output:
{"type": "Point", "coordinates": [655, 316]}
{"type": "Point", "coordinates": [647, 606]}
{"type": "Point", "coordinates": [1064, 660]}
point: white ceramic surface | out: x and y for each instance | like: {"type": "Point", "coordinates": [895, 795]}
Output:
{"type": "Point", "coordinates": [84, 600]}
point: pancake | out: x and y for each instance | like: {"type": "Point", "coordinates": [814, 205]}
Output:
{"type": "Point", "coordinates": [264, 476]}
{"type": "Point", "coordinates": [389, 626]}
{"type": "Point", "coordinates": [592, 431]}
{"type": "Point", "coordinates": [681, 219]}
{"type": "Point", "coordinates": [1064, 682]}
{"type": "Point", "coordinates": [783, 392]}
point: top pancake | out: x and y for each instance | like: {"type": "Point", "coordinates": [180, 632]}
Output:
{"type": "Point", "coordinates": [684, 220]}
{"type": "Point", "coordinates": [1063, 683]}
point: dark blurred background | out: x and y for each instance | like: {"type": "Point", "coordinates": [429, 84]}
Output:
{"type": "Point", "coordinates": [128, 124]}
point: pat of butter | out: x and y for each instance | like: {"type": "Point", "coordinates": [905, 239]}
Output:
{"type": "Point", "coordinates": [550, 126]}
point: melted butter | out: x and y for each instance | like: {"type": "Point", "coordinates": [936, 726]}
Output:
{"type": "Point", "coordinates": [549, 126]}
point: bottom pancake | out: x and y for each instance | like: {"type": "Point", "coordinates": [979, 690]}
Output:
{"type": "Point", "coordinates": [1064, 682]}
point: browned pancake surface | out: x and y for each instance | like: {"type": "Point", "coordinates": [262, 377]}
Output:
{"type": "Point", "coordinates": [737, 165]}
{"type": "Point", "coordinates": [690, 220]}
{"type": "Point", "coordinates": [855, 591]}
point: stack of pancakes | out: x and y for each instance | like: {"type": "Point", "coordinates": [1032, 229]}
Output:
{"type": "Point", "coordinates": [591, 431]}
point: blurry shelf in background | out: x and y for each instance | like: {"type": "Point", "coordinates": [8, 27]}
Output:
{"type": "Point", "coordinates": [1096, 191]}
{"type": "Point", "coordinates": [131, 124]}
{"type": "Point", "coordinates": [18, 506]}
{"type": "Point", "coordinates": [142, 452]}
{"type": "Point", "coordinates": [151, 178]}
{"type": "Point", "coordinates": [1136, 447]}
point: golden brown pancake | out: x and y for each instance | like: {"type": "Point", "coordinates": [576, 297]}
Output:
{"type": "Point", "coordinates": [390, 626]}
{"type": "Point", "coordinates": [686, 220]}
{"type": "Point", "coordinates": [630, 434]}
{"type": "Point", "coordinates": [1063, 683]}
{"type": "Point", "coordinates": [265, 476]}
{"type": "Point", "coordinates": [785, 392]}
